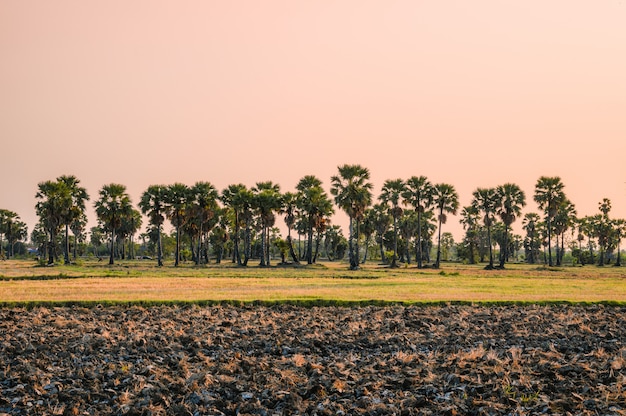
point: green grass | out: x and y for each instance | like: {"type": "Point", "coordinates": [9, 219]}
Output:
{"type": "Point", "coordinates": [91, 283]}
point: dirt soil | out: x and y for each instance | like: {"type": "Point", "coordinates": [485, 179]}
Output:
{"type": "Point", "coordinates": [287, 360]}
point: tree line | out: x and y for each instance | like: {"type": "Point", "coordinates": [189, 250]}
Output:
{"type": "Point", "coordinates": [239, 223]}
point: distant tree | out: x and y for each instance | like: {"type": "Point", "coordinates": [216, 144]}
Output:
{"type": "Point", "coordinates": [470, 219]}
{"type": "Point", "coordinates": [565, 217]}
{"type": "Point", "coordinates": [130, 224]}
{"type": "Point", "coordinates": [267, 202]}
{"type": "Point", "coordinates": [113, 204]}
{"type": "Point", "coordinates": [202, 215]}
{"type": "Point", "coordinates": [96, 239]}
{"type": "Point", "coordinates": [447, 243]}
{"type": "Point", "coordinates": [485, 200]}
{"type": "Point", "coordinates": [153, 204]}
{"type": "Point", "coordinates": [13, 228]}
{"type": "Point", "coordinates": [390, 196]}
{"type": "Point", "coordinates": [408, 225]}
{"type": "Point", "coordinates": [290, 211]}
{"type": "Point", "coordinates": [419, 194]}
{"type": "Point", "coordinates": [532, 241]}
{"type": "Point", "coordinates": [313, 204]}
{"type": "Point", "coordinates": [446, 201]}
{"type": "Point", "coordinates": [177, 198]}
{"type": "Point", "coordinates": [53, 200]}
{"type": "Point", "coordinates": [379, 217]}
{"type": "Point", "coordinates": [78, 227]}
{"type": "Point", "coordinates": [74, 207]}
{"type": "Point", "coordinates": [352, 191]}
{"type": "Point", "coordinates": [238, 199]}
{"type": "Point", "coordinates": [549, 195]}
{"type": "Point", "coordinates": [510, 201]}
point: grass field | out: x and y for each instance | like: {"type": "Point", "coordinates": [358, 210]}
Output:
{"type": "Point", "coordinates": [22, 282]}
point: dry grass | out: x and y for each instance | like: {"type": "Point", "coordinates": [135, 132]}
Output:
{"type": "Point", "coordinates": [21, 281]}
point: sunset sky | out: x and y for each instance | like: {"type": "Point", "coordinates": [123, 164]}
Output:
{"type": "Point", "coordinates": [472, 93]}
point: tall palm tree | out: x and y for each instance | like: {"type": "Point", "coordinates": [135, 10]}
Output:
{"type": "Point", "coordinates": [13, 228]}
{"type": "Point", "coordinates": [53, 200]}
{"type": "Point", "coordinates": [419, 194]}
{"type": "Point", "coordinates": [73, 210]}
{"type": "Point", "coordinates": [353, 194]}
{"type": "Point", "coordinates": [289, 210]}
{"type": "Point", "coordinates": [510, 201]}
{"type": "Point", "coordinates": [446, 201]}
{"type": "Point", "coordinates": [390, 196]}
{"type": "Point", "coordinates": [177, 199]}
{"type": "Point", "coordinates": [131, 223]}
{"type": "Point", "coordinates": [549, 195]}
{"type": "Point", "coordinates": [112, 205]}
{"type": "Point", "coordinates": [485, 201]}
{"type": "Point", "coordinates": [154, 204]}
{"type": "Point", "coordinates": [267, 201]}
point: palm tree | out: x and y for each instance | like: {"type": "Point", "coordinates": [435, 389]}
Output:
{"type": "Point", "coordinates": [153, 204]}
{"type": "Point", "coordinates": [485, 201]}
{"type": "Point", "coordinates": [532, 242]}
{"type": "Point", "coordinates": [419, 194]}
{"type": "Point", "coordinates": [390, 196]}
{"type": "Point", "coordinates": [13, 228]}
{"type": "Point", "coordinates": [289, 210]}
{"type": "Point", "coordinates": [353, 194]}
{"type": "Point", "coordinates": [446, 201]}
{"type": "Point", "coordinates": [78, 227]}
{"type": "Point", "coordinates": [564, 218]}
{"type": "Point", "coordinates": [112, 205]}
{"type": "Point", "coordinates": [549, 195]}
{"type": "Point", "coordinates": [202, 213]}
{"type": "Point", "coordinates": [470, 217]}
{"type": "Point", "coordinates": [380, 219]}
{"type": "Point", "coordinates": [53, 202]}
{"type": "Point", "coordinates": [131, 223]}
{"type": "Point", "coordinates": [238, 199]}
{"type": "Point", "coordinates": [510, 201]}
{"type": "Point", "coordinates": [267, 201]}
{"type": "Point", "coordinates": [177, 198]}
{"type": "Point", "coordinates": [314, 205]}
{"type": "Point", "coordinates": [75, 209]}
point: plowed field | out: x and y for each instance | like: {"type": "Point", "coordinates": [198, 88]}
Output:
{"type": "Point", "coordinates": [286, 360]}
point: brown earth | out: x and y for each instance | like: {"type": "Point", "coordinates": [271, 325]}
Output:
{"type": "Point", "coordinates": [287, 360]}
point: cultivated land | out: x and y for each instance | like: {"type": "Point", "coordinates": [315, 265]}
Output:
{"type": "Point", "coordinates": [92, 339]}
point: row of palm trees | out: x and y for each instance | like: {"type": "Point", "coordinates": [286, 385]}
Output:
{"type": "Point", "coordinates": [13, 229]}
{"type": "Point", "coordinates": [239, 211]}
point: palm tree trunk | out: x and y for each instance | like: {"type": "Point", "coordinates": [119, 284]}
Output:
{"type": "Point", "coordinates": [394, 261]}
{"type": "Point", "coordinates": [355, 258]}
{"type": "Point", "coordinates": [67, 244]}
{"type": "Point", "coordinates": [549, 243]}
{"type": "Point", "coordinates": [159, 248]}
{"type": "Point", "coordinates": [112, 247]}
{"type": "Point", "coordinates": [419, 239]}
{"type": "Point", "coordinates": [439, 241]}
{"type": "Point", "coordinates": [367, 244]}
{"type": "Point", "coordinates": [351, 244]}
{"type": "Point", "coordinates": [490, 247]}
{"type": "Point", "coordinates": [309, 247]}
{"type": "Point", "coordinates": [506, 246]}
{"type": "Point", "coordinates": [51, 247]}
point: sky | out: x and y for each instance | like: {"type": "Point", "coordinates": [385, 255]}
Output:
{"type": "Point", "coordinates": [470, 93]}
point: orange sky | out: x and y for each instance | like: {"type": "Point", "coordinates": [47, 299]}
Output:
{"type": "Point", "coordinates": [473, 93]}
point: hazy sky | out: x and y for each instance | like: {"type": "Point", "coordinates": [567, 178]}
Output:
{"type": "Point", "coordinates": [472, 93]}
